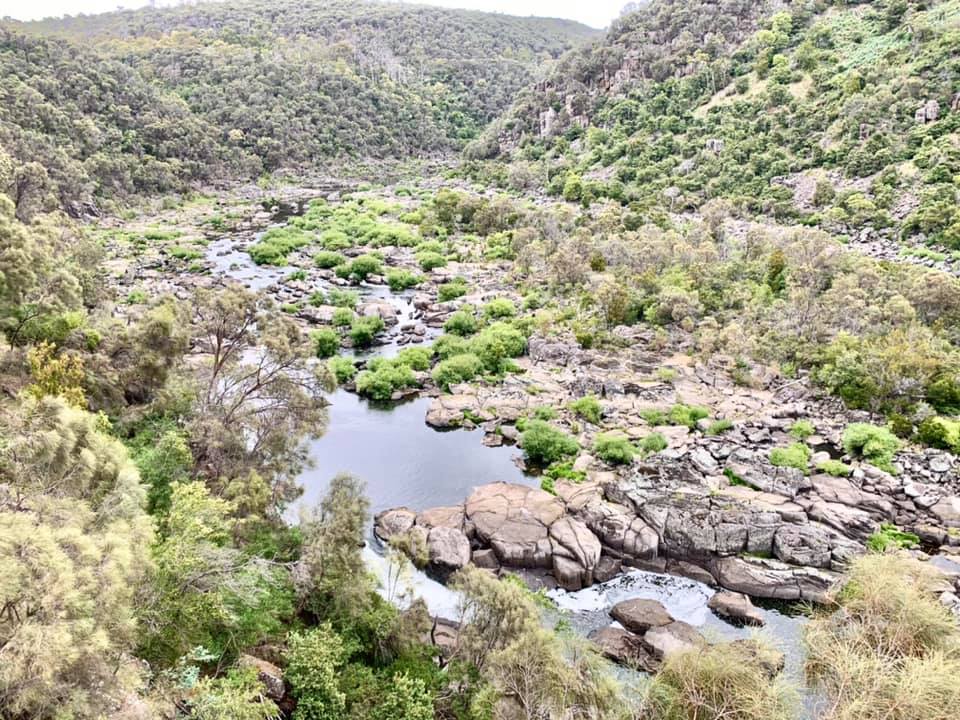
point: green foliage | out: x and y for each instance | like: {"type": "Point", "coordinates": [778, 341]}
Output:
{"type": "Point", "coordinates": [342, 317]}
{"type": "Point", "coordinates": [364, 329]}
{"type": "Point", "coordinates": [344, 369]}
{"type": "Point", "coordinates": [500, 308]}
{"type": "Point", "coordinates": [563, 470]}
{"type": "Point", "coordinates": [940, 432]}
{"type": "Point", "coordinates": [452, 290]}
{"type": "Point", "coordinates": [275, 244]}
{"type": "Point", "coordinates": [74, 549]}
{"type": "Point", "coordinates": [461, 323]}
{"type": "Point", "coordinates": [399, 280]}
{"type": "Point", "coordinates": [430, 260]}
{"type": "Point", "coordinates": [718, 427]}
{"type": "Point", "coordinates": [384, 377]}
{"type": "Point", "coordinates": [722, 680]}
{"type": "Point", "coordinates": [455, 369]}
{"type": "Point", "coordinates": [326, 342]}
{"type": "Point", "coordinates": [876, 445]}
{"type": "Point", "coordinates": [889, 537]}
{"type": "Point", "coordinates": [545, 444]}
{"type": "Point", "coordinates": [496, 344]}
{"type": "Point", "coordinates": [328, 259]}
{"type": "Point", "coordinates": [360, 268]}
{"type": "Point", "coordinates": [314, 661]}
{"type": "Point", "coordinates": [163, 457]}
{"type": "Point", "coordinates": [653, 443]}
{"type": "Point", "coordinates": [678, 414]}
{"type": "Point", "coordinates": [802, 429]}
{"type": "Point", "coordinates": [239, 694]}
{"type": "Point", "coordinates": [587, 407]}
{"type": "Point", "coordinates": [343, 298]}
{"type": "Point", "coordinates": [796, 456]}
{"type": "Point", "coordinates": [835, 468]}
{"type": "Point", "coordinates": [613, 449]}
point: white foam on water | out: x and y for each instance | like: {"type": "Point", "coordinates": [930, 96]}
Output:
{"type": "Point", "coordinates": [683, 598]}
{"type": "Point", "coordinates": [401, 583]}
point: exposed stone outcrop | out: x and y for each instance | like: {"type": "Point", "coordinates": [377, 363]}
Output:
{"type": "Point", "coordinates": [639, 614]}
{"type": "Point", "coordinates": [624, 648]}
{"type": "Point", "coordinates": [736, 607]}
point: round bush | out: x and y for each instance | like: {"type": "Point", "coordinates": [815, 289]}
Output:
{"type": "Point", "coordinates": [544, 444]}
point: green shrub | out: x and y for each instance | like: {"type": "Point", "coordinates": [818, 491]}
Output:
{"type": "Point", "coordinates": [497, 343]}
{"type": "Point", "coordinates": [564, 471]}
{"type": "Point", "coordinates": [430, 261]}
{"type": "Point", "coordinates": [545, 412]}
{"type": "Point", "coordinates": [384, 377]}
{"type": "Point", "coordinates": [655, 416]}
{"type": "Point", "coordinates": [500, 308]}
{"type": "Point", "coordinates": [344, 369]}
{"type": "Point", "coordinates": [653, 443]}
{"type": "Point", "coordinates": [834, 467]}
{"type": "Point", "coordinates": [718, 427]}
{"type": "Point", "coordinates": [587, 407]}
{"type": "Point", "coordinates": [275, 244]}
{"type": "Point", "coordinates": [544, 444]}
{"type": "Point", "coordinates": [446, 346]}
{"type": "Point", "coordinates": [416, 358]}
{"type": "Point", "coordinates": [326, 342]}
{"type": "Point", "coordinates": [328, 259]}
{"type": "Point", "coordinates": [315, 662]}
{"type": "Point", "coordinates": [342, 298]}
{"type": "Point", "coordinates": [452, 290]}
{"type": "Point", "coordinates": [688, 415]}
{"type": "Point", "coordinates": [940, 432]}
{"type": "Point", "coordinates": [461, 323]}
{"type": "Point", "coordinates": [185, 253]}
{"type": "Point", "coordinates": [796, 456]}
{"type": "Point", "coordinates": [399, 280]}
{"type": "Point", "coordinates": [290, 308]}
{"type": "Point", "coordinates": [298, 275]}
{"type": "Point", "coordinates": [360, 268]}
{"type": "Point", "coordinates": [364, 329]}
{"type": "Point", "coordinates": [613, 449]}
{"type": "Point", "coordinates": [889, 537]}
{"type": "Point", "coordinates": [456, 369]}
{"type": "Point", "coordinates": [802, 429]}
{"type": "Point", "coordinates": [725, 680]}
{"type": "Point", "coordinates": [875, 444]}
{"type": "Point", "coordinates": [342, 317]}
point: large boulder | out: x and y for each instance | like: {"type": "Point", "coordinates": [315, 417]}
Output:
{"type": "Point", "coordinates": [515, 520]}
{"type": "Point", "coordinates": [640, 614]}
{"type": "Point", "coordinates": [448, 550]}
{"type": "Point", "coordinates": [624, 648]}
{"type": "Point", "coordinates": [620, 530]}
{"type": "Point", "coordinates": [393, 523]}
{"type": "Point", "coordinates": [270, 676]}
{"type": "Point", "coordinates": [761, 577]}
{"type": "Point", "coordinates": [736, 607]}
{"type": "Point", "coordinates": [576, 552]}
{"type": "Point", "coordinates": [665, 640]}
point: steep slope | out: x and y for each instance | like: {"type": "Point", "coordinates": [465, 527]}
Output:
{"type": "Point", "coordinates": [225, 90]}
{"type": "Point", "coordinates": [840, 116]}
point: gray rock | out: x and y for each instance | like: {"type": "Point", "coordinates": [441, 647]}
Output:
{"type": "Point", "coordinates": [640, 614]}
{"type": "Point", "coordinates": [448, 550]}
{"type": "Point", "coordinates": [624, 648]}
{"type": "Point", "coordinates": [392, 523]}
{"type": "Point", "coordinates": [735, 606]}
{"type": "Point", "coordinates": [665, 640]}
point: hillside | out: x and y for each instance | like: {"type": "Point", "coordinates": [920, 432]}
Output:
{"type": "Point", "coordinates": [150, 101]}
{"type": "Point", "coordinates": [841, 116]}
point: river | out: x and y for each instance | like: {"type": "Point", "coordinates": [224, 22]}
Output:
{"type": "Point", "coordinates": [404, 462]}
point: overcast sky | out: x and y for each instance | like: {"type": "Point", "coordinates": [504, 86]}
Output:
{"type": "Point", "coordinates": [597, 13]}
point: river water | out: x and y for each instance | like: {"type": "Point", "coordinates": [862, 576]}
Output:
{"type": "Point", "coordinates": [404, 462]}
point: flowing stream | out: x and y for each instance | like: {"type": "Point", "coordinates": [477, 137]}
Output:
{"type": "Point", "coordinates": [406, 463]}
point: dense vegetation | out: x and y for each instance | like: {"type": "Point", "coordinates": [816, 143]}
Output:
{"type": "Point", "coordinates": [159, 100]}
{"type": "Point", "coordinates": [152, 443]}
{"type": "Point", "coordinates": [842, 116]}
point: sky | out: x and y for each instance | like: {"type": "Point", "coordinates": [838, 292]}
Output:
{"type": "Point", "coordinates": [596, 13]}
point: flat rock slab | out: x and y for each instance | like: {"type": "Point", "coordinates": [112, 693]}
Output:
{"type": "Point", "coordinates": [640, 614]}
{"type": "Point", "coordinates": [624, 648]}
{"type": "Point", "coordinates": [666, 640]}
{"type": "Point", "coordinates": [515, 520]}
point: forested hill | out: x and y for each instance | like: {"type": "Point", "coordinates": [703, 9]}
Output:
{"type": "Point", "coordinates": [155, 100]}
{"type": "Point", "coordinates": [838, 115]}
